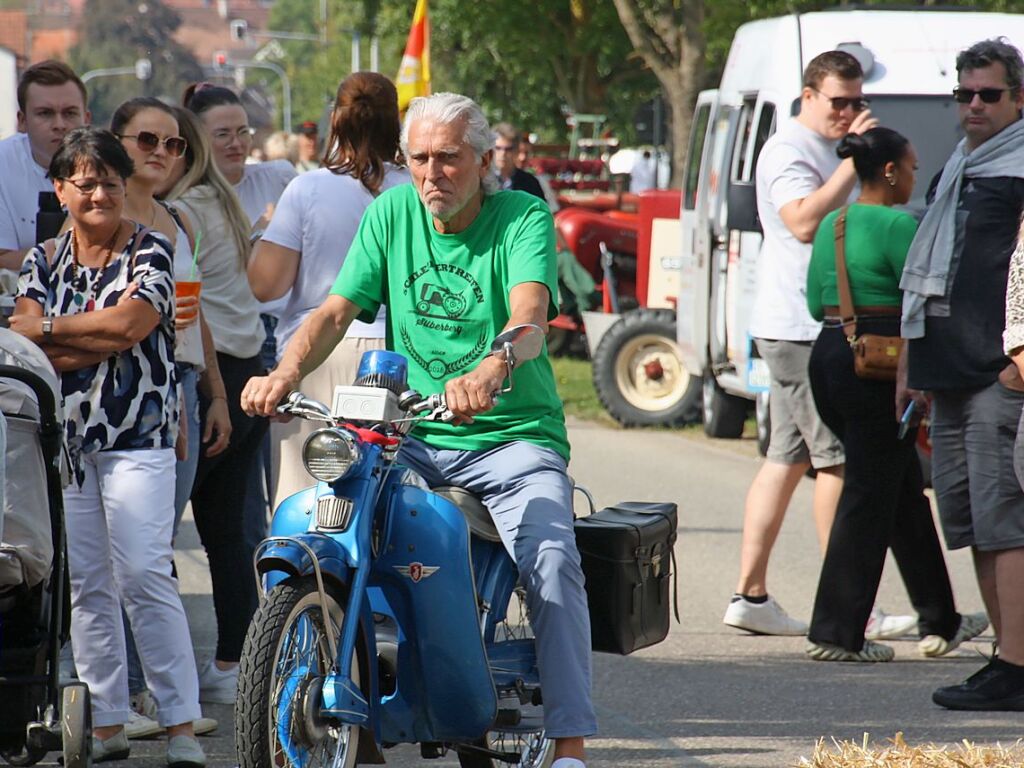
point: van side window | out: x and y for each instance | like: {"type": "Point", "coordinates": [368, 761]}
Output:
{"type": "Point", "coordinates": [698, 136]}
{"type": "Point", "coordinates": [765, 128]}
{"type": "Point", "coordinates": [741, 170]}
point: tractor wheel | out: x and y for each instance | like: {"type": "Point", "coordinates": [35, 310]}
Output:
{"type": "Point", "coordinates": [639, 374]}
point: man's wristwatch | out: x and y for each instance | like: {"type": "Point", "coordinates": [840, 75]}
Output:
{"type": "Point", "coordinates": [47, 327]}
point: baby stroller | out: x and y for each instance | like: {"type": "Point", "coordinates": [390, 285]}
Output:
{"type": "Point", "coordinates": [37, 715]}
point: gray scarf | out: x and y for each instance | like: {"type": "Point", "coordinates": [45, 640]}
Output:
{"type": "Point", "coordinates": [930, 261]}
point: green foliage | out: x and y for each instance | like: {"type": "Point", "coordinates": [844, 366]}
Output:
{"type": "Point", "coordinates": [316, 68]}
{"type": "Point", "coordinates": [116, 33]}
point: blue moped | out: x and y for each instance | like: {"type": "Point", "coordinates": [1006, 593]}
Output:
{"type": "Point", "coordinates": [389, 613]}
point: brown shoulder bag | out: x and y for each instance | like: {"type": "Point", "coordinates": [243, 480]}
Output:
{"type": "Point", "coordinates": [875, 357]}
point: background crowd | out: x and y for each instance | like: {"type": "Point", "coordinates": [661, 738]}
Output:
{"type": "Point", "coordinates": [181, 266]}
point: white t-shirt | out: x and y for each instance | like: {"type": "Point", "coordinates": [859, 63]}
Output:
{"type": "Point", "coordinates": [318, 216]}
{"type": "Point", "coordinates": [23, 180]}
{"type": "Point", "coordinates": [794, 162]}
{"type": "Point", "coordinates": [262, 184]}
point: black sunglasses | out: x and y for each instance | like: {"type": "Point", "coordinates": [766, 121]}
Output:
{"type": "Point", "coordinates": [839, 103]}
{"type": "Point", "coordinates": [147, 142]}
{"type": "Point", "coordinates": [987, 95]}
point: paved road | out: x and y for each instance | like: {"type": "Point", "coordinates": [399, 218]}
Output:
{"type": "Point", "coordinates": [709, 695]}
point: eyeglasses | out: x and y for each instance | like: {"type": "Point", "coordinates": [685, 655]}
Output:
{"type": "Point", "coordinates": [987, 95]}
{"type": "Point", "coordinates": [89, 187]}
{"type": "Point", "coordinates": [839, 103]}
{"type": "Point", "coordinates": [226, 135]}
{"type": "Point", "coordinates": [148, 142]}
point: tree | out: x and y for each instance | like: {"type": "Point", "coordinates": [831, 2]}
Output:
{"type": "Point", "coordinates": [669, 35]}
{"type": "Point", "coordinates": [117, 33]}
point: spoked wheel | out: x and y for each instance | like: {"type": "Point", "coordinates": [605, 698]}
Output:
{"type": "Point", "coordinates": [76, 725]}
{"type": "Point", "coordinates": [284, 661]}
{"type": "Point", "coordinates": [527, 738]}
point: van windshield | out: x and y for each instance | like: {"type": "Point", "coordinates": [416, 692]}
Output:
{"type": "Point", "coordinates": [931, 124]}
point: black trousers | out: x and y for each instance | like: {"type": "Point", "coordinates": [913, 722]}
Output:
{"type": "Point", "coordinates": [218, 505]}
{"type": "Point", "coordinates": [882, 503]}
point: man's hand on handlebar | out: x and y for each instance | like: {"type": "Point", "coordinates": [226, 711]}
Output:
{"type": "Point", "coordinates": [473, 393]}
{"type": "Point", "coordinates": [261, 394]}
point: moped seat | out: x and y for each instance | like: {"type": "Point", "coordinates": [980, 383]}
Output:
{"type": "Point", "coordinates": [476, 514]}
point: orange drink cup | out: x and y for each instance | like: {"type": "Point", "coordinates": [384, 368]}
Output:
{"type": "Point", "coordinates": [187, 289]}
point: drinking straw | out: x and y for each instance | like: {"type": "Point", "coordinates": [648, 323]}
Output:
{"type": "Point", "coordinates": [195, 256]}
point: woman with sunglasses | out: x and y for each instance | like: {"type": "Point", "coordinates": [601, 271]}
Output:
{"type": "Point", "coordinates": [307, 240]}
{"type": "Point", "coordinates": [882, 504]}
{"type": "Point", "coordinates": [99, 300]}
{"type": "Point", "coordinates": [148, 129]}
{"type": "Point", "coordinates": [202, 193]}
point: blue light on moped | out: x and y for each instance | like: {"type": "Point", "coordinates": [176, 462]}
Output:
{"type": "Point", "coordinates": [381, 368]}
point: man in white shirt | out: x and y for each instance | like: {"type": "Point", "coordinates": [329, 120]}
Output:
{"type": "Point", "coordinates": [799, 180]}
{"type": "Point", "coordinates": [51, 101]}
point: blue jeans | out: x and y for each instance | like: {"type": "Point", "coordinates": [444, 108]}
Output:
{"type": "Point", "coordinates": [529, 495]}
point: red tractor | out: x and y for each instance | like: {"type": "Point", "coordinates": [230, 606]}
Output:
{"type": "Point", "coordinates": [637, 368]}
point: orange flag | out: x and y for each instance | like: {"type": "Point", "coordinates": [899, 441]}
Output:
{"type": "Point", "coordinates": [414, 74]}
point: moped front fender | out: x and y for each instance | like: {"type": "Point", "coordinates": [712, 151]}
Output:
{"type": "Point", "coordinates": [280, 557]}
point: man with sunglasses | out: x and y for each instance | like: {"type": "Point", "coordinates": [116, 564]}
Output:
{"type": "Point", "coordinates": [51, 101]}
{"type": "Point", "coordinates": [799, 179]}
{"type": "Point", "coordinates": [954, 285]}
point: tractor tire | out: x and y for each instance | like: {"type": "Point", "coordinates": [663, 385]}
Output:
{"type": "Point", "coordinates": [724, 414]}
{"type": "Point", "coordinates": [639, 373]}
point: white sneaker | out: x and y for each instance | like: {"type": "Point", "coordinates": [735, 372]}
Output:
{"type": "Point", "coordinates": [141, 727]}
{"type": "Point", "coordinates": [971, 625]}
{"type": "Point", "coordinates": [886, 626]}
{"type": "Point", "coordinates": [767, 618]}
{"type": "Point", "coordinates": [568, 762]}
{"type": "Point", "coordinates": [143, 704]}
{"type": "Point", "coordinates": [217, 686]}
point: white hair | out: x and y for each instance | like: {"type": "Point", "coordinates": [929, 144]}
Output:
{"type": "Point", "coordinates": [448, 108]}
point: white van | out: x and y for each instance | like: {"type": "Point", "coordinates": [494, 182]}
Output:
{"type": "Point", "coordinates": [909, 61]}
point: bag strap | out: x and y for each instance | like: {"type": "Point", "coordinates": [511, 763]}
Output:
{"type": "Point", "coordinates": [847, 315]}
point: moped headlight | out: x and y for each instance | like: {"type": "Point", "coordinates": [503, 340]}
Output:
{"type": "Point", "coordinates": [328, 454]}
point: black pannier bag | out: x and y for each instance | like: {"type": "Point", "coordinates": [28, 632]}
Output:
{"type": "Point", "coordinates": [628, 561]}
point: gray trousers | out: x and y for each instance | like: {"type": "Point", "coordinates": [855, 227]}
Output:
{"type": "Point", "coordinates": [529, 495]}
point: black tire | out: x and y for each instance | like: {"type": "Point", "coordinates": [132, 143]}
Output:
{"type": "Point", "coordinates": [526, 739]}
{"type": "Point", "coordinates": [23, 756]}
{"type": "Point", "coordinates": [763, 416]}
{"type": "Point", "coordinates": [639, 373]}
{"type": "Point", "coordinates": [76, 725]}
{"type": "Point", "coordinates": [290, 606]}
{"type": "Point", "coordinates": [724, 414]}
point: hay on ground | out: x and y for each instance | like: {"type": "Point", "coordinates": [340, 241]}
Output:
{"type": "Point", "coordinates": [898, 754]}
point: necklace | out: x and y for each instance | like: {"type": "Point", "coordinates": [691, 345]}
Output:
{"type": "Point", "coordinates": [79, 283]}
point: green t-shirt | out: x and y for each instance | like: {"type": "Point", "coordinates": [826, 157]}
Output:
{"type": "Point", "coordinates": [877, 241]}
{"type": "Point", "coordinates": [448, 297]}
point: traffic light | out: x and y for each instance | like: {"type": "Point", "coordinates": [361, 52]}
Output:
{"type": "Point", "coordinates": [239, 30]}
{"type": "Point", "coordinates": [220, 60]}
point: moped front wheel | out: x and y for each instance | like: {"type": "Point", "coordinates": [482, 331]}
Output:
{"type": "Point", "coordinates": [284, 661]}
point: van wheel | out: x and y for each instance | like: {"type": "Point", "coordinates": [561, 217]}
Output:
{"type": "Point", "coordinates": [763, 418]}
{"type": "Point", "coordinates": [724, 414]}
{"type": "Point", "coordinates": [639, 373]}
